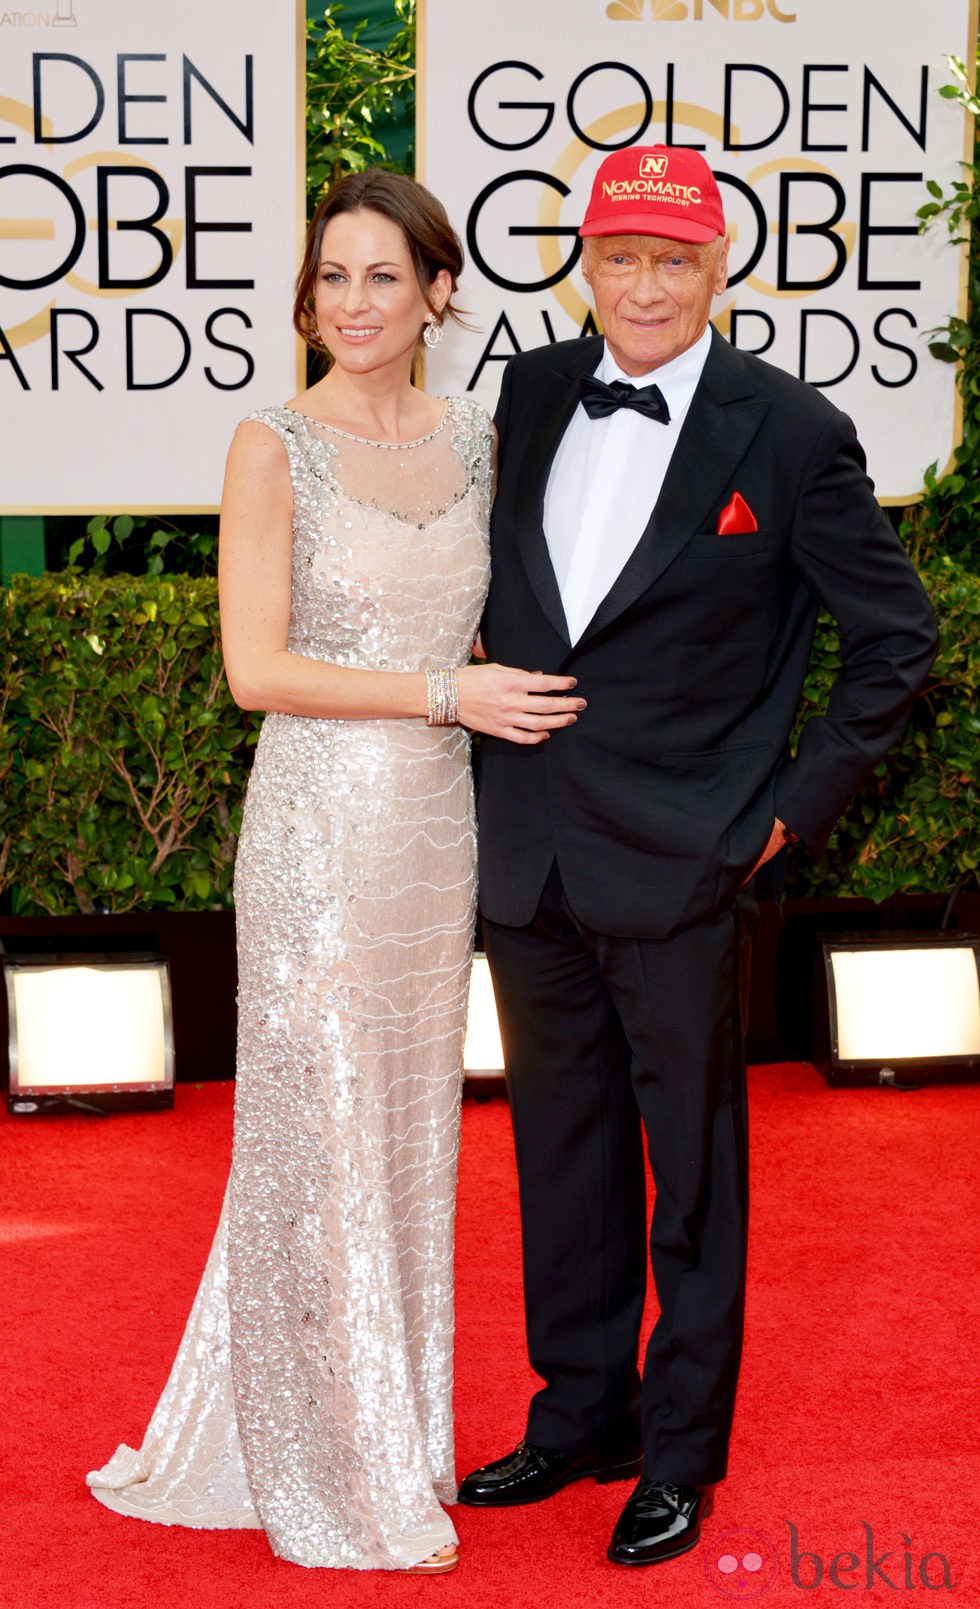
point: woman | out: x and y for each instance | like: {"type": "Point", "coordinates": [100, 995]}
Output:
{"type": "Point", "coordinates": [352, 574]}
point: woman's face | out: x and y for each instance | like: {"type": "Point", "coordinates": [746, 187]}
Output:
{"type": "Point", "coordinates": [369, 307]}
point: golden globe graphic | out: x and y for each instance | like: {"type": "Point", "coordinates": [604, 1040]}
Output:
{"type": "Point", "coordinates": [150, 214]}
{"type": "Point", "coordinates": [821, 159]}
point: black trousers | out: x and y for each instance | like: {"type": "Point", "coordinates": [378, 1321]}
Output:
{"type": "Point", "coordinates": [606, 1039]}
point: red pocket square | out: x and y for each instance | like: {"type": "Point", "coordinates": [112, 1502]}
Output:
{"type": "Point", "coordinates": [736, 518]}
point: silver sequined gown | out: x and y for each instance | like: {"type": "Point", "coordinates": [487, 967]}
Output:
{"type": "Point", "coordinates": [311, 1395]}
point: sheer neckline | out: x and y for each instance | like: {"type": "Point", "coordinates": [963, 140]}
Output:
{"type": "Point", "coordinates": [371, 441]}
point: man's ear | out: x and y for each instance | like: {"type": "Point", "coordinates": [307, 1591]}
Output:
{"type": "Point", "coordinates": [586, 261]}
{"type": "Point", "coordinates": [721, 268]}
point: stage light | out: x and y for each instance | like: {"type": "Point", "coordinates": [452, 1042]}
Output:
{"type": "Point", "coordinates": [482, 1053]}
{"type": "Point", "coordinates": [899, 1009]}
{"type": "Point", "coordinates": [89, 1031]}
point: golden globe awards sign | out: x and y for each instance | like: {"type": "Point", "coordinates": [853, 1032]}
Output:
{"type": "Point", "coordinates": [822, 121]}
{"type": "Point", "coordinates": [150, 209]}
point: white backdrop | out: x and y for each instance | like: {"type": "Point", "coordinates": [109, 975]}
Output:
{"type": "Point", "coordinates": [150, 213]}
{"type": "Point", "coordinates": [823, 121]}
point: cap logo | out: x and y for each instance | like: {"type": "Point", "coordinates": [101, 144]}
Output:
{"type": "Point", "coordinates": [652, 167]}
{"type": "Point", "coordinates": [682, 195]}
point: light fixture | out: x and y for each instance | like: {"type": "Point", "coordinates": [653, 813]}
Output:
{"type": "Point", "coordinates": [483, 1057]}
{"type": "Point", "coordinates": [900, 1008]}
{"type": "Point", "coordinates": [90, 1031]}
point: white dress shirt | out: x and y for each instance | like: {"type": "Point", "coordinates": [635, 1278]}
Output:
{"type": "Point", "coordinates": [597, 505]}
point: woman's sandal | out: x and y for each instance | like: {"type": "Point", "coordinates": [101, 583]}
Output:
{"type": "Point", "coordinates": [447, 1558]}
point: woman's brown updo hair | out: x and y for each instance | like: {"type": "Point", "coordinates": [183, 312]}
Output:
{"type": "Point", "coordinates": [430, 237]}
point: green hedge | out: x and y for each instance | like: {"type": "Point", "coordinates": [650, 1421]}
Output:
{"type": "Point", "coordinates": [123, 759]}
{"type": "Point", "coordinates": [915, 825]}
{"type": "Point", "coordinates": [122, 756]}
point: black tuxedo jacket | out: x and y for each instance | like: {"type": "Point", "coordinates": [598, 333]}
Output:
{"type": "Point", "coordinates": [658, 801]}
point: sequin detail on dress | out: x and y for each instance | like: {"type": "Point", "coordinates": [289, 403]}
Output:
{"type": "Point", "coordinates": [355, 901]}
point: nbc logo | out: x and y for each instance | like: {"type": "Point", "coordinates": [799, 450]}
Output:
{"type": "Point", "coordinates": [695, 10]}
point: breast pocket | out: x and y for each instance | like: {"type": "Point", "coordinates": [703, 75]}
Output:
{"type": "Point", "coordinates": [708, 545]}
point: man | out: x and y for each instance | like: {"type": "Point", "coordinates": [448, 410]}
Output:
{"type": "Point", "coordinates": [668, 546]}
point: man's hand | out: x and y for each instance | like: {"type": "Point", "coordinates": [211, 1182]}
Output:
{"type": "Point", "coordinates": [778, 838]}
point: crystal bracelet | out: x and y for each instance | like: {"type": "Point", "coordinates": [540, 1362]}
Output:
{"type": "Point", "coordinates": [443, 698]}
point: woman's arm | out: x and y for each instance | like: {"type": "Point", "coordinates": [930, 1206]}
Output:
{"type": "Point", "coordinates": [254, 575]}
{"type": "Point", "coordinates": [254, 579]}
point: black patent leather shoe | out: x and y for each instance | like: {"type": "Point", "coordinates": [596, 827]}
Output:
{"type": "Point", "coordinates": [531, 1473]}
{"type": "Point", "coordinates": [659, 1521]}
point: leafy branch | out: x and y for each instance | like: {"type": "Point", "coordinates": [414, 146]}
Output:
{"type": "Point", "coordinates": [948, 517]}
{"type": "Point", "coordinates": [352, 90]}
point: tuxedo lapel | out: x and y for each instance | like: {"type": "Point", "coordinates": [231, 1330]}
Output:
{"type": "Point", "coordinates": [552, 416]}
{"type": "Point", "coordinates": [724, 416]}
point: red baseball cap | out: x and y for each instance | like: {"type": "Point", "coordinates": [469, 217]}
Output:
{"type": "Point", "coordinates": [655, 190]}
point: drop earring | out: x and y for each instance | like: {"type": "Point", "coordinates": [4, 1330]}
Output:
{"type": "Point", "coordinates": [432, 333]}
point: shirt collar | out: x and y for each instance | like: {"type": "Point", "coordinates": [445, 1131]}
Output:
{"type": "Point", "coordinates": [677, 379]}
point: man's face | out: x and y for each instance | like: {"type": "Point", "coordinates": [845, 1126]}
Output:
{"type": "Point", "coordinates": [653, 296]}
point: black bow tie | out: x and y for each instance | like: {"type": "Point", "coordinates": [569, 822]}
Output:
{"type": "Point", "coordinates": [600, 400]}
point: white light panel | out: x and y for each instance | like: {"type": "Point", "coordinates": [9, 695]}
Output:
{"type": "Point", "coordinates": [896, 1003]}
{"type": "Point", "coordinates": [87, 1027]}
{"type": "Point", "coordinates": [482, 1052]}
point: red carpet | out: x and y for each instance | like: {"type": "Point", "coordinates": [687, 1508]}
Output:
{"type": "Point", "coordinates": [857, 1425]}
